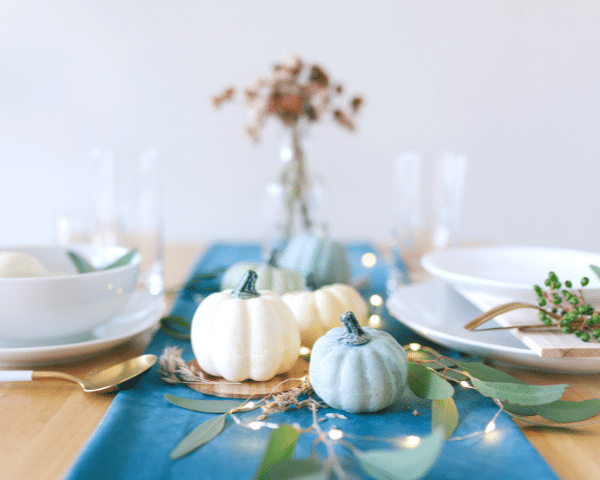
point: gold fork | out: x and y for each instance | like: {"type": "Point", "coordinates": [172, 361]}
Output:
{"type": "Point", "coordinates": [507, 307]}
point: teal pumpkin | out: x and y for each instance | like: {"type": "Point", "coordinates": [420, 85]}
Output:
{"type": "Point", "coordinates": [358, 369]}
{"type": "Point", "coordinates": [325, 259]}
{"type": "Point", "coordinates": [270, 276]}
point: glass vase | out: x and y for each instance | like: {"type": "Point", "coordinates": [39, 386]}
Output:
{"type": "Point", "coordinates": [297, 201]}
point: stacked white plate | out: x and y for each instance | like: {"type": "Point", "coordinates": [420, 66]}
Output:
{"type": "Point", "coordinates": [472, 280]}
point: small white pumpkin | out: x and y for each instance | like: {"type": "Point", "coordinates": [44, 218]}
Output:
{"type": "Point", "coordinates": [270, 276]}
{"type": "Point", "coordinates": [318, 310]}
{"type": "Point", "coordinates": [245, 334]}
{"type": "Point", "coordinates": [358, 369]}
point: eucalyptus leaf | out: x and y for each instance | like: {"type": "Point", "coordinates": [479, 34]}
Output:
{"type": "Point", "coordinates": [487, 373]}
{"type": "Point", "coordinates": [407, 464]}
{"type": "Point", "coordinates": [563, 411]}
{"type": "Point", "coordinates": [202, 434]}
{"type": "Point", "coordinates": [176, 327]}
{"type": "Point", "coordinates": [427, 384]}
{"type": "Point", "coordinates": [205, 406]}
{"type": "Point", "coordinates": [596, 270]}
{"type": "Point", "coordinates": [81, 264]}
{"type": "Point", "coordinates": [280, 448]}
{"type": "Point", "coordinates": [124, 260]}
{"type": "Point", "coordinates": [521, 394]}
{"type": "Point", "coordinates": [444, 415]}
{"type": "Point", "coordinates": [305, 468]}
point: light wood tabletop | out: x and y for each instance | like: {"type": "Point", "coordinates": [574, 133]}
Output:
{"type": "Point", "coordinates": [44, 425]}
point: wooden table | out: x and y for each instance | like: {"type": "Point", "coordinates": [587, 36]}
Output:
{"type": "Point", "coordinates": [44, 425]}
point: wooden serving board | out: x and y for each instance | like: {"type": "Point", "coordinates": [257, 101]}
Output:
{"type": "Point", "coordinates": [547, 341]}
{"type": "Point", "coordinates": [219, 387]}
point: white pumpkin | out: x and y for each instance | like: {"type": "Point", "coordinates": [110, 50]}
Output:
{"type": "Point", "coordinates": [317, 311]}
{"type": "Point", "coordinates": [358, 369]}
{"type": "Point", "coordinates": [245, 334]}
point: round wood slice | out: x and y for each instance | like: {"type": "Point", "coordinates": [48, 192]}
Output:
{"type": "Point", "coordinates": [219, 387]}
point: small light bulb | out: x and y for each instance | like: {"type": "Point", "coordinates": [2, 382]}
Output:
{"type": "Point", "coordinates": [255, 425]}
{"type": "Point", "coordinates": [304, 350]}
{"type": "Point", "coordinates": [369, 260]}
{"type": "Point", "coordinates": [412, 441]}
{"type": "Point", "coordinates": [464, 384]}
{"type": "Point", "coordinates": [374, 321]}
{"type": "Point", "coordinates": [376, 300]}
{"type": "Point", "coordinates": [335, 434]}
{"type": "Point", "coordinates": [415, 347]}
{"type": "Point", "coordinates": [490, 427]}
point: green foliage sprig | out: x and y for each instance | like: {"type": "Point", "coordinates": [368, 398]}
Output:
{"type": "Point", "coordinates": [430, 377]}
{"type": "Point", "coordinates": [567, 305]}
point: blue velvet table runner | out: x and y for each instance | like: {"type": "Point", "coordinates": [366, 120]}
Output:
{"type": "Point", "coordinates": [140, 428]}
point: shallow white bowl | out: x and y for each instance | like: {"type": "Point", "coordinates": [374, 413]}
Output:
{"type": "Point", "coordinates": [491, 275]}
{"type": "Point", "coordinates": [40, 310]}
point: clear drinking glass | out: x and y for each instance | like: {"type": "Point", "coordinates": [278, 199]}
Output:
{"type": "Point", "coordinates": [428, 197]}
{"type": "Point", "coordinates": [126, 209]}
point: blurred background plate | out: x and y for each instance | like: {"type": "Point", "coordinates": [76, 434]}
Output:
{"type": "Point", "coordinates": [491, 275]}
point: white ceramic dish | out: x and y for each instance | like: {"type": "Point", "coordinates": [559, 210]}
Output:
{"type": "Point", "coordinates": [139, 319]}
{"type": "Point", "coordinates": [492, 275]}
{"type": "Point", "coordinates": [437, 312]}
{"type": "Point", "coordinates": [52, 308]}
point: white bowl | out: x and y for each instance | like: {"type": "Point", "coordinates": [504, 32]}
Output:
{"type": "Point", "coordinates": [45, 309]}
{"type": "Point", "coordinates": [491, 275]}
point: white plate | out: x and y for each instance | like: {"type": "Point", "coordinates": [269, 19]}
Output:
{"type": "Point", "coordinates": [139, 317]}
{"type": "Point", "coordinates": [492, 275]}
{"type": "Point", "coordinates": [437, 312]}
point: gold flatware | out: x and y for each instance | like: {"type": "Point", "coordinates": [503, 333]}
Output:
{"type": "Point", "coordinates": [504, 308]}
{"type": "Point", "coordinates": [118, 377]}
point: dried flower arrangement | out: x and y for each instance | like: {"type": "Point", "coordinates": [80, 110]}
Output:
{"type": "Point", "coordinates": [294, 92]}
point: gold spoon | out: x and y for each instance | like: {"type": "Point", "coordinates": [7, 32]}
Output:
{"type": "Point", "coordinates": [506, 307]}
{"type": "Point", "coordinates": [118, 377]}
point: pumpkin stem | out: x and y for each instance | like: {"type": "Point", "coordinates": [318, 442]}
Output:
{"type": "Point", "coordinates": [273, 256]}
{"type": "Point", "coordinates": [311, 283]}
{"type": "Point", "coordinates": [354, 335]}
{"type": "Point", "coordinates": [247, 287]}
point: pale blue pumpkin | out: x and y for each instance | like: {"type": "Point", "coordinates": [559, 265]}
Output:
{"type": "Point", "coordinates": [358, 369]}
{"type": "Point", "coordinates": [325, 259]}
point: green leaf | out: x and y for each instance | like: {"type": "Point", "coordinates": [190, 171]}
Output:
{"type": "Point", "coordinates": [176, 326]}
{"type": "Point", "coordinates": [521, 394]}
{"type": "Point", "coordinates": [403, 464]}
{"type": "Point", "coordinates": [563, 411]}
{"type": "Point", "coordinates": [306, 468]}
{"type": "Point", "coordinates": [281, 447]}
{"type": "Point", "coordinates": [81, 264]}
{"type": "Point", "coordinates": [202, 434]}
{"type": "Point", "coordinates": [206, 406]}
{"type": "Point", "coordinates": [427, 384]}
{"type": "Point", "coordinates": [487, 373]}
{"type": "Point", "coordinates": [444, 415]}
{"type": "Point", "coordinates": [596, 270]}
{"type": "Point", "coordinates": [124, 260]}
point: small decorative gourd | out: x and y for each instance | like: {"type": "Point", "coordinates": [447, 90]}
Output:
{"type": "Point", "coordinates": [318, 310]}
{"type": "Point", "coordinates": [270, 276]}
{"type": "Point", "coordinates": [245, 334]}
{"type": "Point", "coordinates": [358, 369]}
{"type": "Point", "coordinates": [326, 259]}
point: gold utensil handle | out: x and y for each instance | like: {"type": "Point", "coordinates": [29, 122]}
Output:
{"type": "Point", "coordinates": [504, 308]}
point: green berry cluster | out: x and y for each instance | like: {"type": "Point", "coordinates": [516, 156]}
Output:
{"type": "Point", "coordinates": [576, 316]}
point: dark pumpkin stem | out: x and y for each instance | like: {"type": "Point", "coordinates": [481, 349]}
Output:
{"type": "Point", "coordinates": [311, 283]}
{"type": "Point", "coordinates": [273, 256]}
{"type": "Point", "coordinates": [354, 335]}
{"type": "Point", "coordinates": [247, 287]}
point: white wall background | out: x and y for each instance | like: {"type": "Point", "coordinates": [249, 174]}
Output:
{"type": "Point", "coordinates": [513, 84]}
